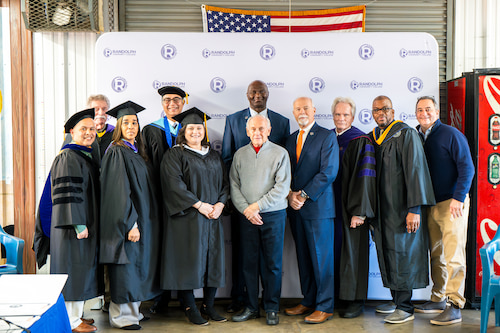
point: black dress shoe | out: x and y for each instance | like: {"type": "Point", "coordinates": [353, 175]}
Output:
{"type": "Point", "coordinates": [133, 327]}
{"type": "Point", "coordinates": [353, 310]}
{"type": "Point", "coordinates": [195, 317]}
{"type": "Point", "coordinates": [272, 318]}
{"type": "Point", "coordinates": [209, 311]}
{"type": "Point", "coordinates": [234, 307]}
{"type": "Point", "coordinates": [105, 307]}
{"type": "Point", "coordinates": [246, 315]}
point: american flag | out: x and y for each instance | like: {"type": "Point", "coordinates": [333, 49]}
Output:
{"type": "Point", "coordinates": [348, 19]}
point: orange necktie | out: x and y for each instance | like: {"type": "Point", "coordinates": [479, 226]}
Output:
{"type": "Point", "coordinates": [299, 145]}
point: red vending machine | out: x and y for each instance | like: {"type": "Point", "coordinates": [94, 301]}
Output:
{"type": "Point", "coordinates": [474, 108]}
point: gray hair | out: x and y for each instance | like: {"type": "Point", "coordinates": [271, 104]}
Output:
{"type": "Point", "coordinates": [306, 97]}
{"type": "Point", "coordinates": [346, 100]}
{"type": "Point", "coordinates": [268, 122]}
{"type": "Point", "coordinates": [98, 97]}
{"type": "Point", "coordinates": [431, 98]}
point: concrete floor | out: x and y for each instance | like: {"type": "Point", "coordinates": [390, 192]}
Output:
{"type": "Point", "coordinates": [174, 321]}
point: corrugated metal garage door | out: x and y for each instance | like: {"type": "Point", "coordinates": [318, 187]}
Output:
{"type": "Point", "coordinates": [383, 15]}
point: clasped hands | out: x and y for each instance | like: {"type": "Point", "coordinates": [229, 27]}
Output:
{"type": "Point", "coordinates": [295, 200]}
{"type": "Point", "coordinates": [209, 211]}
{"type": "Point", "coordinates": [252, 214]}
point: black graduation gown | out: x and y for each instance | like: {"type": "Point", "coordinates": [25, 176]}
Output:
{"type": "Point", "coordinates": [343, 141]}
{"type": "Point", "coordinates": [105, 140]}
{"type": "Point", "coordinates": [156, 145]}
{"type": "Point", "coordinates": [128, 196]}
{"type": "Point", "coordinates": [193, 251]}
{"type": "Point", "coordinates": [403, 181]}
{"type": "Point", "coordinates": [75, 201]}
{"type": "Point", "coordinates": [359, 198]}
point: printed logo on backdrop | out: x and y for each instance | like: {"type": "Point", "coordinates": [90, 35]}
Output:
{"type": "Point", "coordinates": [316, 85]}
{"type": "Point", "coordinates": [305, 53]}
{"type": "Point", "coordinates": [403, 53]}
{"type": "Point", "coordinates": [217, 85]}
{"type": "Point", "coordinates": [217, 115]}
{"type": "Point", "coordinates": [158, 84]}
{"type": "Point", "coordinates": [365, 116]}
{"type": "Point", "coordinates": [217, 145]}
{"type": "Point", "coordinates": [119, 84]}
{"type": "Point", "coordinates": [168, 51]}
{"type": "Point", "coordinates": [415, 85]}
{"type": "Point", "coordinates": [366, 51]}
{"type": "Point", "coordinates": [217, 53]}
{"type": "Point", "coordinates": [363, 85]}
{"type": "Point", "coordinates": [323, 116]}
{"type": "Point", "coordinates": [272, 85]}
{"type": "Point", "coordinates": [109, 52]}
{"type": "Point", "coordinates": [407, 117]}
{"type": "Point", "coordinates": [267, 52]}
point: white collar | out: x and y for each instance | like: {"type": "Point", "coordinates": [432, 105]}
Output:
{"type": "Point", "coordinates": [263, 113]}
{"type": "Point", "coordinates": [339, 134]}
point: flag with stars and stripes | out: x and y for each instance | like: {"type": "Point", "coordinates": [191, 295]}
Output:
{"type": "Point", "coordinates": [348, 19]}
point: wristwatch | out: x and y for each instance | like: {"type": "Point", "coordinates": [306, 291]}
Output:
{"type": "Point", "coordinates": [304, 194]}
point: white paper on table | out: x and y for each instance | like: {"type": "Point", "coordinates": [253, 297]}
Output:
{"type": "Point", "coordinates": [29, 294]}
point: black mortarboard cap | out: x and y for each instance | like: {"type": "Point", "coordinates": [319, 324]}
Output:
{"type": "Point", "coordinates": [77, 117]}
{"type": "Point", "coordinates": [192, 116]}
{"type": "Point", "coordinates": [172, 90]}
{"type": "Point", "coordinates": [128, 108]}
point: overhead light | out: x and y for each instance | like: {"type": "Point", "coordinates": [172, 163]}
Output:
{"type": "Point", "coordinates": [62, 14]}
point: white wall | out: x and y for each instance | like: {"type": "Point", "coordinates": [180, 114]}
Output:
{"type": "Point", "coordinates": [476, 36]}
{"type": "Point", "coordinates": [63, 78]}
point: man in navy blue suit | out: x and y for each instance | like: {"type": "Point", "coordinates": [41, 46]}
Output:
{"type": "Point", "coordinates": [235, 137]}
{"type": "Point", "coordinates": [314, 157]}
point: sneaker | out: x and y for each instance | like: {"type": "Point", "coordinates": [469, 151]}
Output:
{"type": "Point", "coordinates": [398, 317]}
{"type": "Point", "coordinates": [209, 311]}
{"type": "Point", "coordinates": [431, 307]}
{"type": "Point", "coordinates": [451, 315]}
{"type": "Point", "coordinates": [195, 317]}
{"type": "Point", "coordinates": [386, 308]}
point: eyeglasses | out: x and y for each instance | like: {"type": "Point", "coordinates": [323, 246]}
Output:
{"type": "Point", "coordinates": [176, 100]}
{"type": "Point", "coordinates": [385, 109]}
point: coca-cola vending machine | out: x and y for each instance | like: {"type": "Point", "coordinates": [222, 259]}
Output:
{"type": "Point", "coordinates": [474, 108]}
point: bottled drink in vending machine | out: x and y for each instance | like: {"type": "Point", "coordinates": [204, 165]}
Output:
{"type": "Point", "coordinates": [495, 130]}
{"type": "Point", "coordinates": [495, 169]}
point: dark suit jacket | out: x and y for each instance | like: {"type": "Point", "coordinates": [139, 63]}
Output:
{"type": "Point", "coordinates": [315, 172]}
{"type": "Point", "coordinates": [235, 134]}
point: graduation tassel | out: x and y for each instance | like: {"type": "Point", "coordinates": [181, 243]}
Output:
{"type": "Point", "coordinates": [205, 121]}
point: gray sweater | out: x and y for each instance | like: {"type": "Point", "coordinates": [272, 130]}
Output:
{"type": "Point", "coordinates": [263, 178]}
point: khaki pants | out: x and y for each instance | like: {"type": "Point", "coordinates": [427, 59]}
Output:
{"type": "Point", "coordinates": [448, 238]}
{"type": "Point", "coordinates": [75, 312]}
{"type": "Point", "coordinates": [125, 314]}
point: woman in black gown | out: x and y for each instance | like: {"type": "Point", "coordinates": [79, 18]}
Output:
{"type": "Point", "coordinates": [195, 190]}
{"type": "Point", "coordinates": [129, 228]}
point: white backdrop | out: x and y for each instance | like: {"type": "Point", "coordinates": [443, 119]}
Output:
{"type": "Point", "coordinates": [215, 69]}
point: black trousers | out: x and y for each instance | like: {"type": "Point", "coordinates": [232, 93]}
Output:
{"type": "Point", "coordinates": [402, 299]}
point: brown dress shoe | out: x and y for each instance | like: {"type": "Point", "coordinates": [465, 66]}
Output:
{"type": "Point", "coordinates": [83, 328]}
{"type": "Point", "coordinates": [88, 321]}
{"type": "Point", "coordinates": [318, 317]}
{"type": "Point", "coordinates": [298, 310]}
